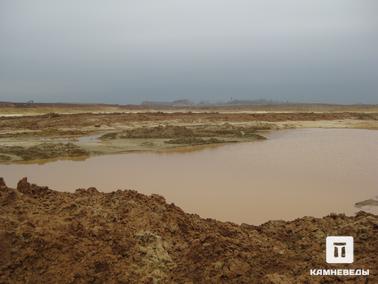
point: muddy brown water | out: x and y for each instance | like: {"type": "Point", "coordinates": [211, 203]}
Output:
{"type": "Point", "coordinates": [295, 173]}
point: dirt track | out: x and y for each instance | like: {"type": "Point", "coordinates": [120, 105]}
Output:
{"type": "Point", "coordinates": [126, 237]}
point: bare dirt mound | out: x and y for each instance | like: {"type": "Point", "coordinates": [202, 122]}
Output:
{"type": "Point", "coordinates": [126, 237]}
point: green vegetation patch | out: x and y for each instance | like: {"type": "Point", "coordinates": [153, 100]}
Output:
{"type": "Point", "coordinates": [43, 151]}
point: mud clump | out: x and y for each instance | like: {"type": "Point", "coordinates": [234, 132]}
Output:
{"type": "Point", "coordinates": [43, 151]}
{"type": "Point", "coordinates": [169, 131]}
{"type": "Point", "coordinates": [2, 183]}
{"type": "Point", "coordinates": [45, 133]}
{"type": "Point", "coordinates": [195, 141]}
{"type": "Point", "coordinates": [126, 237]}
{"type": "Point", "coordinates": [194, 135]}
{"type": "Point", "coordinates": [31, 189]}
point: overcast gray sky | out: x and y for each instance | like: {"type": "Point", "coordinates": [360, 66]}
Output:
{"type": "Point", "coordinates": [128, 51]}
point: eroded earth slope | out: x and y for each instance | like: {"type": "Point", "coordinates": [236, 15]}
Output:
{"type": "Point", "coordinates": [48, 236]}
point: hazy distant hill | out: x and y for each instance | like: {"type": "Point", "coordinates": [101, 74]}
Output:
{"type": "Point", "coordinates": [253, 102]}
{"type": "Point", "coordinates": [176, 103]}
{"type": "Point", "coordinates": [232, 102]}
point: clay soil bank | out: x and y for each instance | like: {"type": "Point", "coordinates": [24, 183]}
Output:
{"type": "Point", "coordinates": [126, 237]}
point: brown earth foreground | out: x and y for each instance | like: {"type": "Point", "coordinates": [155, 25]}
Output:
{"type": "Point", "coordinates": [126, 237]}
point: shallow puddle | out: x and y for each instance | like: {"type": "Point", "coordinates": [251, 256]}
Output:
{"type": "Point", "coordinates": [294, 173]}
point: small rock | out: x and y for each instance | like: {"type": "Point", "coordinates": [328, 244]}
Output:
{"type": "Point", "coordinates": [237, 267]}
{"type": "Point", "coordinates": [80, 190]}
{"type": "Point", "coordinates": [86, 191]}
{"type": "Point", "coordinates": [23, 185]}
{"type": "Point", "coordinates": [2, 183]}
{"type": "Point", "coordinates": [158, 197]}
{"type": "Point", "coordinates": [92, 190]}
